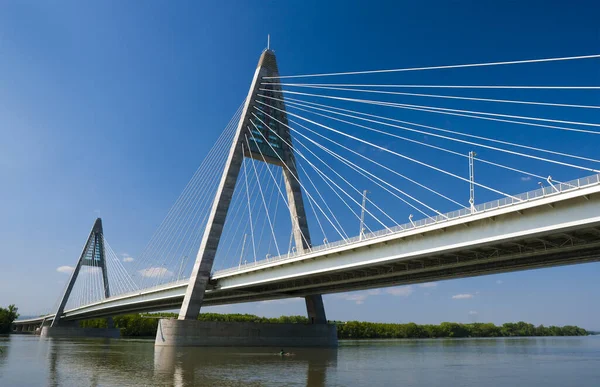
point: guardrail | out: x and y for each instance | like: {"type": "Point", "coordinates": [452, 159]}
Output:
{"type": "Point", "coordinates": [551, 190]}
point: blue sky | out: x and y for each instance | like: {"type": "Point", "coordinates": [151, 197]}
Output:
{"type": "Point", "coordinates": [108, 108]}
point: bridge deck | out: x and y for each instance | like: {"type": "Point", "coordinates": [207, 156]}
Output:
{"type": "Point", "coordinates": [465, 213]}
{"type": "Point", "coordinates": [531, 230]}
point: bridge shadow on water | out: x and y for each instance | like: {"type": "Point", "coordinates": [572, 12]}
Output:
{"type": "Point", "coordinates": [4, 347]}
{"type": "Point", "coordinates": [247, 366]}
{"type": "Point", "coordinates": [104, 362]}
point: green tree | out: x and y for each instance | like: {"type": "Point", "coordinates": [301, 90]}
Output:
{"type": "Point", "coordinates": [7, 316]}
{"type": "Point", "coordinates": [450, 329]}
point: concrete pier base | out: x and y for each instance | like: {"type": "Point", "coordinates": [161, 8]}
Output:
{"type": "Point", "coordinates": [194, 333]}
{"type": "Point", "coordinates": [71, 332]}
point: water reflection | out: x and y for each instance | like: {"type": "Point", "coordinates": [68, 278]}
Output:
{"type": "Point", "coordinates": [533, 362]}
{"type": "Point", "coordinates": [137, 362]}
{"type": "Point", "coordinates": [4, 346]}
{"type": "Point", "coordinates": [255, 366]}
{"type": "Point", "coordinates": [69, 360]}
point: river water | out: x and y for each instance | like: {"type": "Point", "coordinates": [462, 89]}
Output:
{"type": "Point", "coordinates": [30, 361]}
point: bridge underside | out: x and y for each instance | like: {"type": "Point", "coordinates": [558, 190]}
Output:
{"type": "Point", "coordinates": [581, 246]}
{"type": "Point", "coordinates": [558, 231]}
{"type": "Point", "coordinates": [562, 248]}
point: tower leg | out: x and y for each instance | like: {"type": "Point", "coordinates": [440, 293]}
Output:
{"type": "Point", "coordinates": [194, 295]}
{"type": "Point", "coordinates": [109, 320]}
{"type": "Point", "coordinates": [314, 303]}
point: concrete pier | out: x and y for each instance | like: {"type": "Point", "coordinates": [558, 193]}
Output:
{"type": "Point", "coordinates": [76, 332]}
{"type": "Point", "coordinates": [194, 333]}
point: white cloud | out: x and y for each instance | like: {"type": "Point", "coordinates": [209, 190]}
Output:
{"type": "Point", "coordinates": [90, 269]}
{"type": "Point", "coordinates": [462, 296]}
{"type": "Point", "coordinates": [127, 257]}
{"type": "Point", "coordinates": [360, 297]}
{"type": "Point", "coordinates": [401, 291]}
{"type": "Point", "coordinates": [281, 301]}
{"type": "Point", "coordinates": [153, 272]}
{"type": "Point", "coordinates": [428, 285]}
{"type": "Point", "coordinates": [65, 269]}
{"type": "Point", "coordinates": [473, 313]}
{"type": "Point", "coordinates": [499, 282]}
{"type": "Point", "coordinates": [526, 178]}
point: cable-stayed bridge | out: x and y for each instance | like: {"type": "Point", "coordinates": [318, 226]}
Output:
{"type": "Point", "coordinates": [316, 188]}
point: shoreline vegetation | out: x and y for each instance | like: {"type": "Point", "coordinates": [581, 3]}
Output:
{"type": "Point", "coordinates": [7, 316]}
{"type": "Point", "coordinates": [145, 325]}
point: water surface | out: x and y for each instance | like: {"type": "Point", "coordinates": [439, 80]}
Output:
{"type": "Point", "coordinates": [30, 361]}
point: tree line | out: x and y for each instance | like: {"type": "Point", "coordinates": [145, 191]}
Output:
{"type": "Point", "coordinates": [368, 330]}
{"type": "Point", "coordinates": [137, 325]}
{"type": "Point", "coordinates": [7, 316]}
{"type": "Point", "coordinates": [140, 325]}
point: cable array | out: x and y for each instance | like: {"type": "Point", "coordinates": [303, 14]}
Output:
{"type": "Point", "coordinates": [404, 159]}
{"type": "Point", "coordinates": [171, 252]}
{"type": "Point", "coordinates": [370, 159]}
{"type": "Point", "coordinates": [334, 129]}
{"type": "Point", "coordinates": [444, 67]}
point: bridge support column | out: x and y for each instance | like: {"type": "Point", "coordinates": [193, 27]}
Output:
{"type": "Point", "coordinates": [187, 330]}
{"type": "Point", "coordinates": [73, 329]}
{"type": "Point", "coordinates": [315, 309]}
{"type": "Point", "coordinates": [194, 333]}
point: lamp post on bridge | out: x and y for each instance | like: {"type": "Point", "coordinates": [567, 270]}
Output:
{"type": "Point", "coordinates": [472, 180]}
{"type": "Point", "coordinates": [362, 215]}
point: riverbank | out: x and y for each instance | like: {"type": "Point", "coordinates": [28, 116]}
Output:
{"type": "Point", "coordinates": [145, 325]}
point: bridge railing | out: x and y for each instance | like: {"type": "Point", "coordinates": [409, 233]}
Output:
{"type": "Point", "coordinates": [545, 191]}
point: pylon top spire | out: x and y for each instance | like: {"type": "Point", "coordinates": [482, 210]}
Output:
{"type": "Point", "coordinates": [268, 41]}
